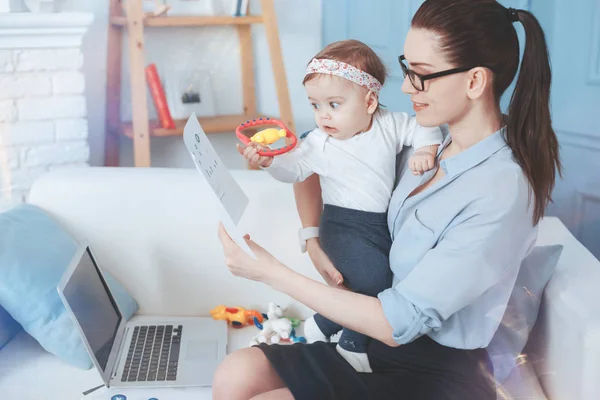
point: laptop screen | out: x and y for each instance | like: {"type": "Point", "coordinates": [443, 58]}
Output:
{"type": "Point", "coordinates": [94, 307]}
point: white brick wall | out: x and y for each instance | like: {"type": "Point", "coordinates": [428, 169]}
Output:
{"type": "Point", "coordinates": [47, 60]}
{"type": "Point", "coordinates": [58, 153]}
{"type": "Point", "coordinates": [43, 124]}
{"type": "Point", "coordinates": [43, 117]}
{"type": "Point", "coordinates": [26, 133]}
{"type": "Point", "coordinates": [71, 129]}
{"type": "Point", "coordinates": [9, 157]}
{"type": "Point", "coordinates": [68, 82]}
{"type": "Point", "coordinates": [6, 61]}
{"type": "Point", "coordinates": [8, 110]}
{"type": "Point", "coordinates": [24, 85]}
{"type": "Point", "coordinates": [21, 179]}
{"type": "Point", "coordinates": [49, 108]}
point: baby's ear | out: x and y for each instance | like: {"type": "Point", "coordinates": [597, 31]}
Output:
{"type": "Point", "coordinates": [372, 102]}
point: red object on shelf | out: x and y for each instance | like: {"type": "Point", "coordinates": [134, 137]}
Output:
{"type": "Point", "coordinates": [158, 95]}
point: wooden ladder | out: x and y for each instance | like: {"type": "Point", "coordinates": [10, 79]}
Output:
{"type": "Point", "coordinates": [140, 129]}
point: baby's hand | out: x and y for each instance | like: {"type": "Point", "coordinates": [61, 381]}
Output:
{"type": "Point", "coordinates": [250, 153]}
{"type": "Point", "coordinates": [423, 160]}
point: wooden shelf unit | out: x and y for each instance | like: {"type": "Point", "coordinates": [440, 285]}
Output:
{"type": "Point", "coordinates": [192, 21]}
{"type": "Point", "coordinates": [218, 124]}
{"type": "Point", "coordinates": [140, 129]}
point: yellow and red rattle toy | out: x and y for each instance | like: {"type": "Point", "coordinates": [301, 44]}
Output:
{"type": "Point", "coordinates": [267, 137]}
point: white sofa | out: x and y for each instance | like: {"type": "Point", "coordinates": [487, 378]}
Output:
{"type": "Point", "coordinates": [155, 231]}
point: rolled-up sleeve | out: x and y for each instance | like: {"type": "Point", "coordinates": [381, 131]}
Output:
{"type": "Point", "coordinates": [306, 159]}
{"type": "Point", "coordinates": [294, 166]}
{"type": "Point", "coordinates": [471, 257]}
{"type": "Point", "coordinates": [290, 167]}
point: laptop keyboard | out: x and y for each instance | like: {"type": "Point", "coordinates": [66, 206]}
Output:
{"type": "Point", "coordinates": [153, 354]}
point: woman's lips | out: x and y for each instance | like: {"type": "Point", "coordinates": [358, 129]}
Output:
{"type": "Point", "coordinates": [419, 106]}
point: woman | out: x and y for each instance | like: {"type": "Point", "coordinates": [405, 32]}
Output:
{"type": "Point", "coordinates": [459, 232]}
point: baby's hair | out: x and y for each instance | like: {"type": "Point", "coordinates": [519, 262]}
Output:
{"type": "Point", "coordinates": [355, 53]}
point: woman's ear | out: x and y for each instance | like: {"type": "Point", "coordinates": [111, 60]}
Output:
{"type": "Point", "coordinates": [372, 102]}
{"type": "Point", "coordinates": [479, 79]}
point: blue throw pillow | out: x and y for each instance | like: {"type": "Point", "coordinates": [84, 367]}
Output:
{"type": "Point", "coordinates": [34, 253]}
{"type": "Point", "coordinates": [522, 309]}
{"type": "Point", "coordinates": [8, 327]}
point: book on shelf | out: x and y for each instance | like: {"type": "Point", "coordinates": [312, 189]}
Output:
{"type": "Point", "coordinates": [157, 92]}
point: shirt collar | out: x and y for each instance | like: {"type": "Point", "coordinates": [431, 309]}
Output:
{"type": "Point", "coordinates": [474, 155]}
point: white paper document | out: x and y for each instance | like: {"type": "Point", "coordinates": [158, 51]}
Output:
{"type": "Point", "coordinates": [231, 196]}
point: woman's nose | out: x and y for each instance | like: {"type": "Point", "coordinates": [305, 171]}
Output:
{"type": "Point", "coordinates": [407, 86]}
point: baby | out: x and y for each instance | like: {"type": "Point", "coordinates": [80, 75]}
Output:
{"type": "Point", "coordinates": [353, 151]}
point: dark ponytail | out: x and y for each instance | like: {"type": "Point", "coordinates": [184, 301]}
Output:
{"type": "Point", "coordinates": [481, 32]}
{"type": "Point", "coordinates": [529, 130]}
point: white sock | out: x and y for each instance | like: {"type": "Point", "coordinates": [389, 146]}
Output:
{"type": "Point", "coordinates": [359, 361]}
{"type": "Point", "coordinates": [312, 333]}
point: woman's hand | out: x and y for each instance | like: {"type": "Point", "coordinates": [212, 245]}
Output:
{"type": "Point", "coordinates": [323, 264]}
{"type": "Point", "coordinates": [358, 312]}
{"type": "Point", "coordinates": [263, 269]}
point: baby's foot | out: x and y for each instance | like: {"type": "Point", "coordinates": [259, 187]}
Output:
{"type": "Point", "coordinates": [359, 361]}
{"type": "Point", "coordinates": [312, 333]}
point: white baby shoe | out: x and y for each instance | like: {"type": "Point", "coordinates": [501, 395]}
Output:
{"type": "Point", "coordinates": [359, 361]}
{"type": "Point", "coordinates": [312, 333]}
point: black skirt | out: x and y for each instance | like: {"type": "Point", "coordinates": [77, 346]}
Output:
{"type": "Point", "coordinates": [421, 370]}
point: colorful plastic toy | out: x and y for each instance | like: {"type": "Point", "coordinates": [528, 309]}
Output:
{"type": "Point", "coordinates": [236, 316]}
{"type": "Point", "coordinates": [267, 137]}
{"type": "Point", "coordinates": [276, 328]}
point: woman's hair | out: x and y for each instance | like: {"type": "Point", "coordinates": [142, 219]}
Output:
{"type": "Point", "coordinates": [481, 33]}
{"type": "Point", "coordinates": [355, 53]}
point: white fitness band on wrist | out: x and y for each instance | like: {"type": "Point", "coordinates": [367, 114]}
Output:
{"type": "Point", "coordinates": [307, 233]}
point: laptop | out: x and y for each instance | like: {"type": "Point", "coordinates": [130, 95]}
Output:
{"type": "Point", "coordinates": [146, 351]}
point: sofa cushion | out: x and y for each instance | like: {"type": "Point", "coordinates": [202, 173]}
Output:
{"type": "Point", "coordinates": [34, 253]}
{"type": "Point", "coordinates": [522, 309]}
{"type": "Point", "coordinates": [8, 327]}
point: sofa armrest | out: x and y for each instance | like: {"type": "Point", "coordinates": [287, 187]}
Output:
{"type": "Point", "coordinates": [565, 344]}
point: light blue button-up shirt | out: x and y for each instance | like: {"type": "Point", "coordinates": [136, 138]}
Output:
{"type": "Point", "coordinates": [458, 246]}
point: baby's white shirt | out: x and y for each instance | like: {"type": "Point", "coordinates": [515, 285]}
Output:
{"type": "Point", "coordinates": [356, 173]}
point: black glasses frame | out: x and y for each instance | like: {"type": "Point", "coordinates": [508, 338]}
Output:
{"type": "Point", "coordinates": [412, 75]}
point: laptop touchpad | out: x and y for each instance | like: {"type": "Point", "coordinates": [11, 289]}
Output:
{"type": "Point", "coordinates": [201, 350]}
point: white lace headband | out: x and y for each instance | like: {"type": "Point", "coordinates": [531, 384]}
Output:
{"type": "Point", "coordinates": [343, 70]}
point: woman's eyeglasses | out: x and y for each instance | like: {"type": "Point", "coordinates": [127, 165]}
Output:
{"type": "Point", "coordinates": [418, 80]}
